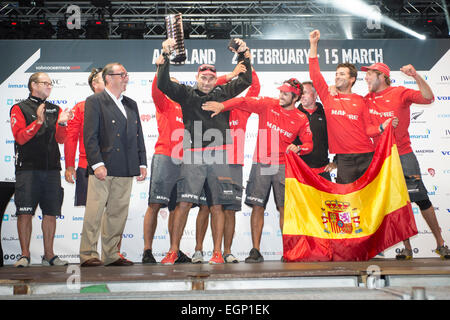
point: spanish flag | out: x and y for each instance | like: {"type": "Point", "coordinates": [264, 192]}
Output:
{"type": "Point", "coordinates": [324, 221]}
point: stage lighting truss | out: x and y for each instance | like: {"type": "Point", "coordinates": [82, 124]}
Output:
{"type": "Point", "coordinates": [249, 19]}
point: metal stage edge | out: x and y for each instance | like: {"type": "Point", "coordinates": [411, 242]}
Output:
{"type": "Point", "coordinates": [379, 279]}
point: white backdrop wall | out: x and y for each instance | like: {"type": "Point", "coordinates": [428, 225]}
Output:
{"type": "Point", "coordinates": [274, 62]}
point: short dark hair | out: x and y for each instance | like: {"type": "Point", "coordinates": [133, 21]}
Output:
{"type": "Point", "coordinates": [352, 69]}
{"type": "Point", "coordinates": [33, 78]}
{"type": "Point", "coordinates": [94, 73]}
{"type": "Point", "coordinates": [108, 69]}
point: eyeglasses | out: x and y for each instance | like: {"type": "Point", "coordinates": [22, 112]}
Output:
{"type": "Point", "coordinates": [47, 84]}
{"type": "Point", "coordinates": [204, 68]}
{"type": "Point", "coordinates": [122, 74]}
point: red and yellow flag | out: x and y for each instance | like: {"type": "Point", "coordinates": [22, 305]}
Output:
{"type": "Point", "coordinates": [324, 221]}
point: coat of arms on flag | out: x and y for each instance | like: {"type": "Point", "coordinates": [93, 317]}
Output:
{"type": "Point", "coordinates": [325, 221]}
{"type": "Point", "coordinates": [339, 217]}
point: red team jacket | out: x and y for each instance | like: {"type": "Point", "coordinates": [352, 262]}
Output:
{"type": "Point", "coordinates": [395, 102]}
{"type": "Point", "coordinates": [74, 137]}
{"type": "Point", "coordinates": [348, 121]}
{"type": "Point", "coordinates": [277, 128]}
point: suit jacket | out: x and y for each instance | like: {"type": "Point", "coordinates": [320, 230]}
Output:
{"type": "Point", "coordinates": [111, 138]}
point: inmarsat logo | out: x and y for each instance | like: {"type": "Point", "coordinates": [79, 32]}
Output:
{"type": "Point", "coordinates": [425, 135]}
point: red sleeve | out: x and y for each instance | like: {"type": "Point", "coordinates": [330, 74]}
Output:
{"type": "Point", "coordinates": [409, 96]}
{"type": "Point", "coordinates": [159, 98]}
{"type": "Point", "coordinates": [21, 132]}
{"type": "Point", "coordinates": [305, 136]}
{"type": "Point", "coordinates": [221, 80]}
{"type": "Point", "coordinates": [254, 89]}
{"type": "Point", "coordinates": [61, 132]}
{"type": "Point", "coordinates": [318, 81]}
{"type": "Point", "coordinates": [372, 129]}
{"type": "Point", "coordinates": [73, 132]}
{"type": "Point", "coordinates": [253, 104]}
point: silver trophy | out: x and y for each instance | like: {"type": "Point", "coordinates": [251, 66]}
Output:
{"type": "Point", "coordinates": [174, 28]}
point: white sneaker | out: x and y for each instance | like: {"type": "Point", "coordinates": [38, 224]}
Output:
{"type": "Point", "coordinates": [229, 258]}
{"type": "Point", "coordinates": [55, 261]}
{"type": "Point", "coordinates": [197, 257]}
{"type": "Point", "coordinates": [22, 262]}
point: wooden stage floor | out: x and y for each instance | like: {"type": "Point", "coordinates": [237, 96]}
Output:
{"type": "Point", "coordinates": [38, 281]}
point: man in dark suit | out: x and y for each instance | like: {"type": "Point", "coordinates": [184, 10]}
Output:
{"type": "Point", "coordinates": [115, 152]}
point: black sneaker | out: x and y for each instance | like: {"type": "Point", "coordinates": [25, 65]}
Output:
{"type": "Point", "coordinates": [254, 257]}
{"type": "Point", "coordinates": [182, 258]}
{"type": "Point", "coordinates": [148, 257]}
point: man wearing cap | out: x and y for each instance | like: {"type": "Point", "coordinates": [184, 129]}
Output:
{"type": "Point", "coordinates": [385, 102]}
{"type": "Point", "coordinates": [348, 122]}
{"type": "Point", "coordinates": [280, 122]}
{"type": "Point", "coordinates": [206, 142]}
{"type": "Point", "coordinates": [238, 125]}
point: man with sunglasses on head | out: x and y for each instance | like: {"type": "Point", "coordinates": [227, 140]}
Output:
{"type": "Point", "coordinates": [38, 126]}
{"type": "Point", "coordinates": [115, 152]}
{"type": "Point", "coordinates": [206, 142]}
{"type": "Point", "coordinates": [280, 123]}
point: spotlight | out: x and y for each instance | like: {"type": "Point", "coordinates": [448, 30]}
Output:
{"type": "Point", "coordinates": [431, 27]}
{"type": "Point", "coordinates": [218, 30]}
{"type": "Point", "coordinates": [132, 30]}
{"type": "Point", "coordinates": [40, 29]}
{"type": "Point", "coordinates": [96, 29]}
{"type": "Point", "coordinates": [64, 33]}
{"type": "Point", "coordinates": [13, 29]}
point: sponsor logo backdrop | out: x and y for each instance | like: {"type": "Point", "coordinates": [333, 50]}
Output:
{"type": "Point", "coordinates": [68, 64]}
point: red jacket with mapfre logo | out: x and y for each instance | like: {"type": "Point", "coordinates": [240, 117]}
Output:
{"type": "Point", "coordinates": [395, 102]}
{"type": "Point", "coordinates": [348, 122]}
{"type": "Point", "coordinates": [170, 124]}
{"type": "Point", "coordinates": [238, 122]}
{"type": "Point", "coordinates": [277, 128]}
